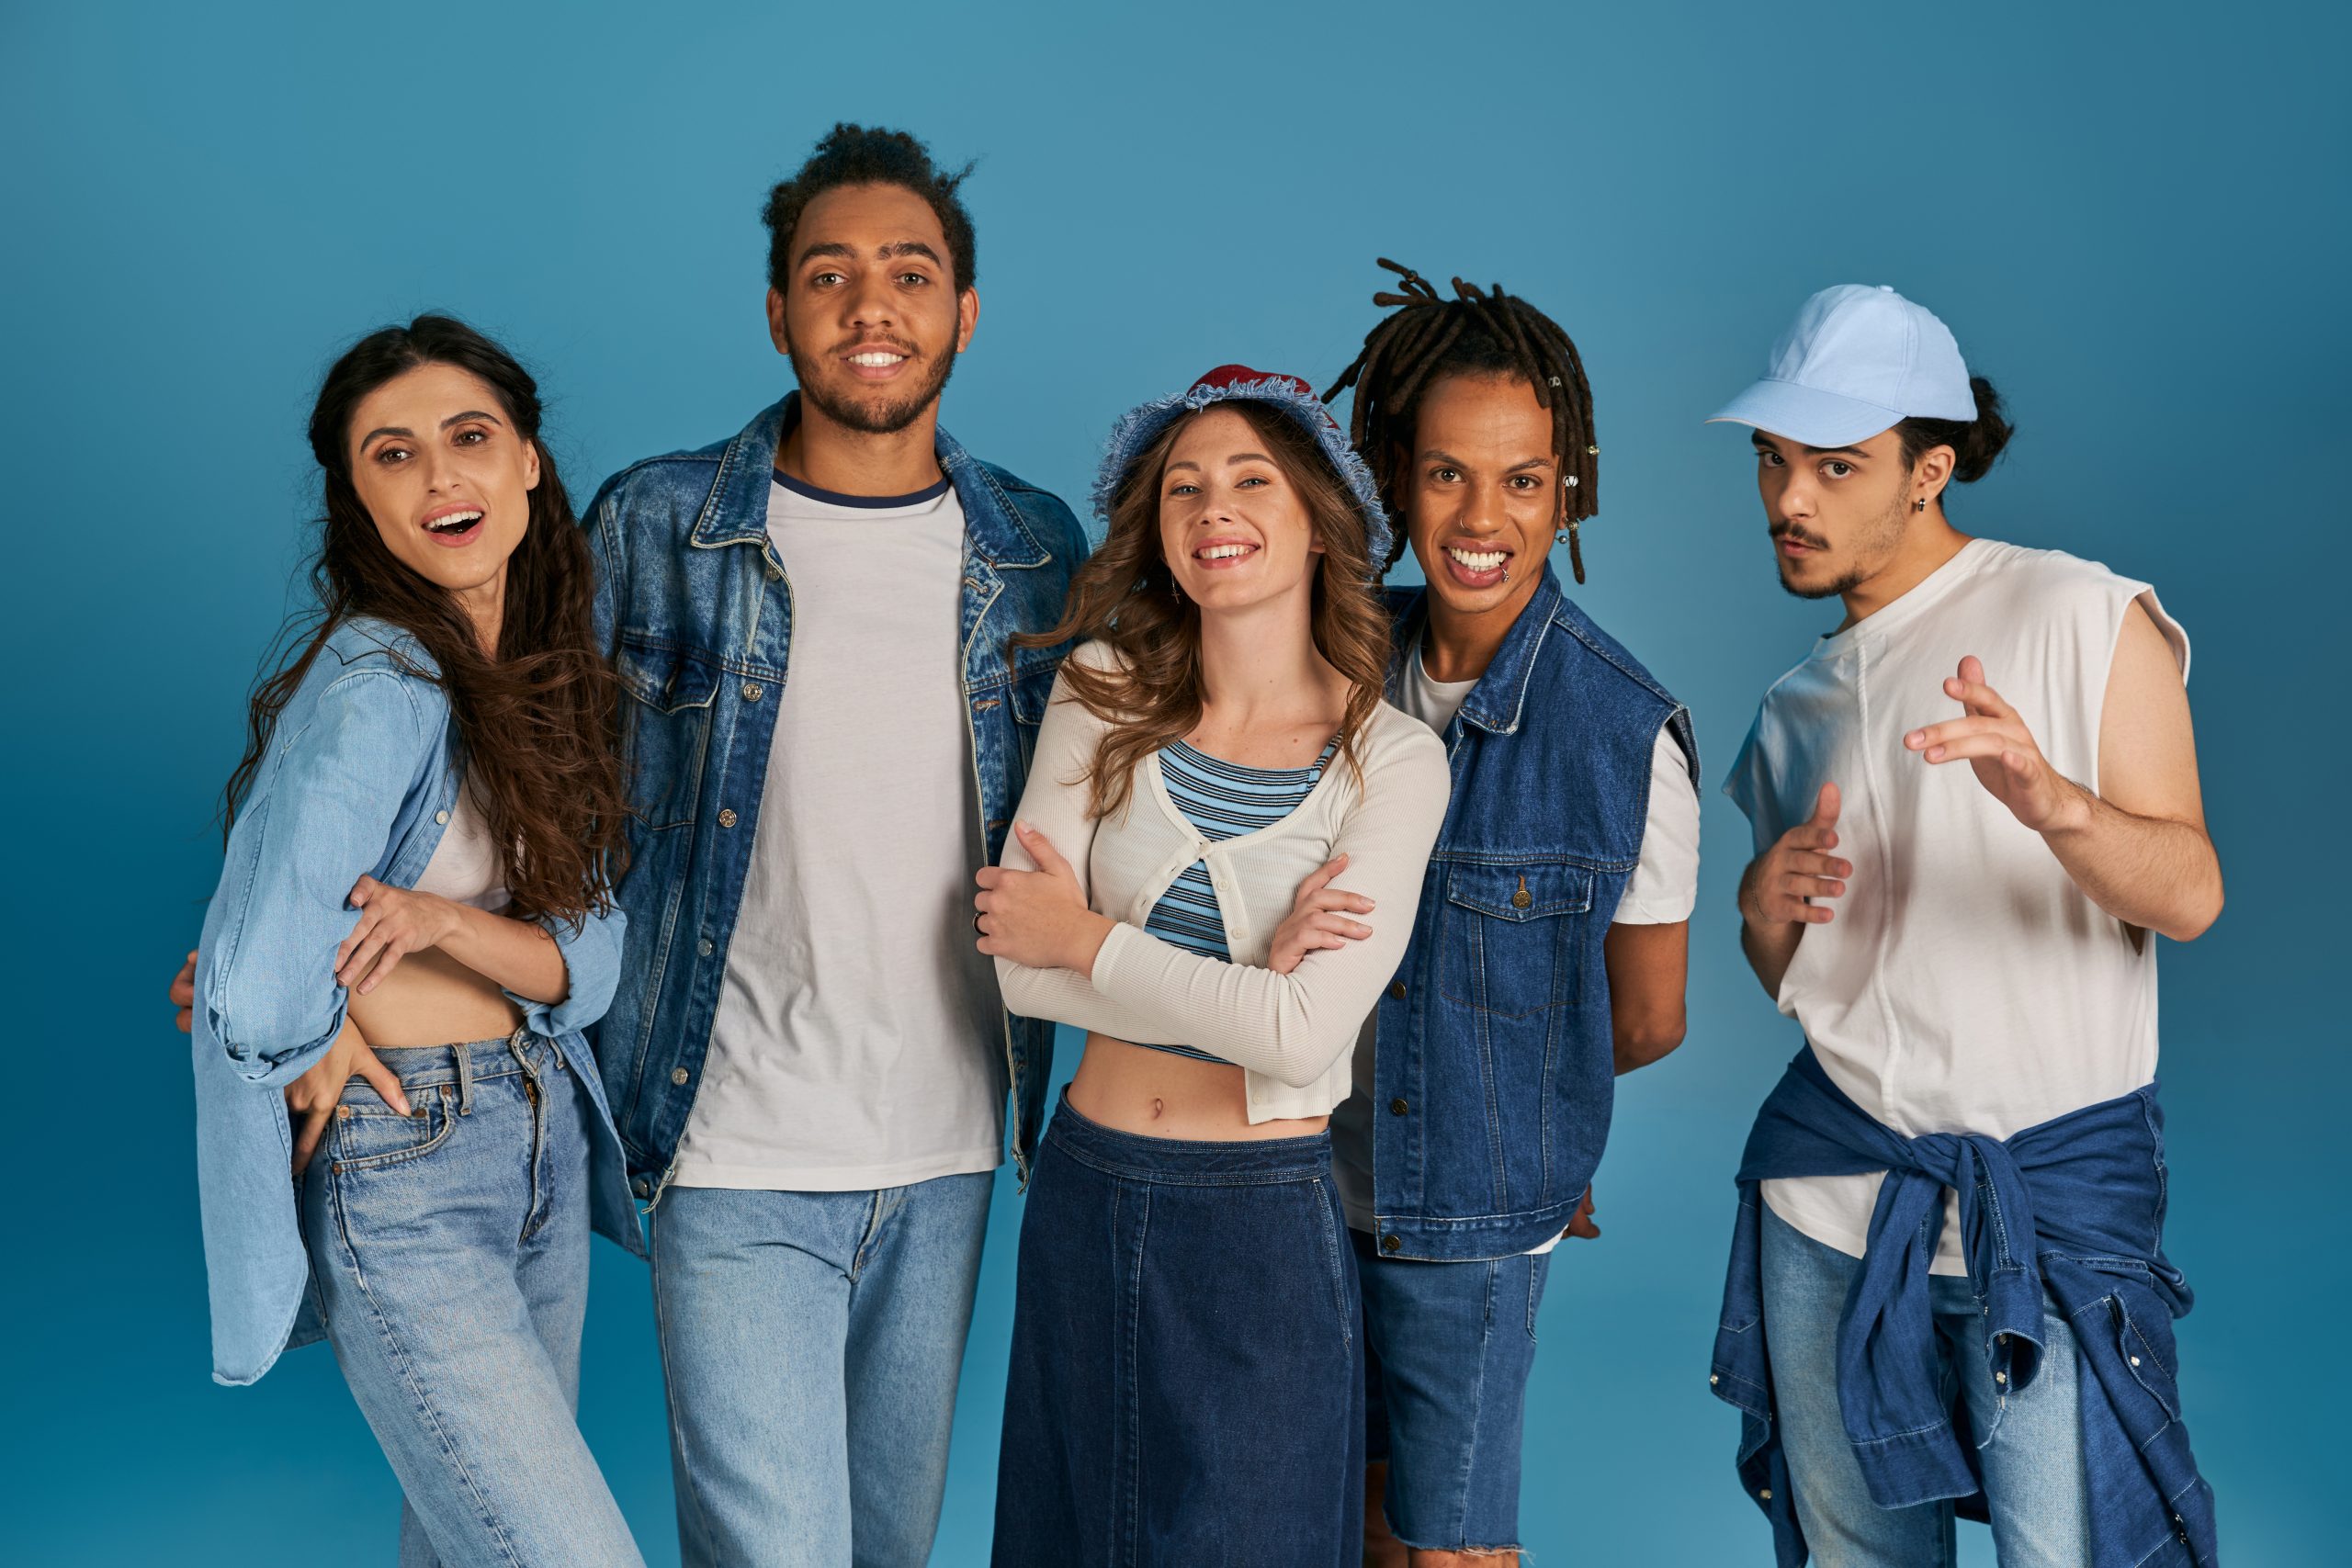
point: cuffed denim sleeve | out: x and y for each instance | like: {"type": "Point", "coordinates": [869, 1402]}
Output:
{"type": "Point", "coordinates": [270, 992]}
{"type": "Point", "coordinates": [591, 962]}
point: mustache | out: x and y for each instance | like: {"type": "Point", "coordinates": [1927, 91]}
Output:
{"type": "Point", "coordinates": [860, 345]}
{"type": "Point", "coordinates": [1787, 531]}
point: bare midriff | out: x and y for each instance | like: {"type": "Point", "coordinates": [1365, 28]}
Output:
{"type": "Point", "coordinates": [433, 999]}
{"type": "Point", "coordinates": [1158, 1094]}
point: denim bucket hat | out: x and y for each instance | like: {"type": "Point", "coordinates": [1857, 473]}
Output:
{"type": "Point", "coordinates": [1142, 424]}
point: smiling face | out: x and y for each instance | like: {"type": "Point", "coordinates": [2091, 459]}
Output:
{"type": "Point", "coordinates": [1837, 515]}
{"type": "Point", "coordinates": [1481, 493]}
{"type": "Point", "coordinates": [445, 477]}
{"type": "Point", "coordinates": [870, 315]}
{"type": "Point", "coordinates": [1234, 528]}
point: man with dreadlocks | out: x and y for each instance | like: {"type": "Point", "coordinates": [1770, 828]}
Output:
{"type": "Point", "coordinates": [1549, 945]}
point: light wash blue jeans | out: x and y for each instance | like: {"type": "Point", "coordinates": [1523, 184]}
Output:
{"type": "Point", "coordinates": [2028, 1444]}
{"type": "Point", "coordinates": [450, 1251]}
{"type": "Point", "coordinates": [811, 1342]}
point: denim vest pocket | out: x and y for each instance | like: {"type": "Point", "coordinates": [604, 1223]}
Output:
{"type": "Point", "coordinates": [666, 726]}
{"type": "Point", "coordinates": [1508, 944]}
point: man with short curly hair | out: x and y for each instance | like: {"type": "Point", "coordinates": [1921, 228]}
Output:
{"type": "Point", "coordinates": [809, 1056]}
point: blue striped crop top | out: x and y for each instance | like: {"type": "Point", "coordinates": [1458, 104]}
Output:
{"type": "Point", "coordinates": [1222, 800]}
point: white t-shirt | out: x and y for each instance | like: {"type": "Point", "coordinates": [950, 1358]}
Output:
{"type": "Point", "coordinates": [1662, 890]}
{"type": "Point", "coordinates": [1967, 984]}
{"type": "Point", "coordinates": [858, 1042]}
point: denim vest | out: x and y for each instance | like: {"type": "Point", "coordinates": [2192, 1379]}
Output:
{"type": "Point", "coordinates": [1494, 1070]}
{"type": "Point", "coordinates": [697, 611]}
{"type": "Point", "coordinates": [359, 778]}
{"type": "Point", "coordinates": [2075, 1206]}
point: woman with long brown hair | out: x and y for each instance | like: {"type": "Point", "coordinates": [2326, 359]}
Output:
{"type": "Point", "coordinates": [402, 1134]}
{"type": "Point", "coordinates": [1187, 1371]}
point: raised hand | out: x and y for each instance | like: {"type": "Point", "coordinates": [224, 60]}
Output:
{"type": "Point", "coordinates": [2000, 749]}
{"type": "Point", "coordinates": [1314, 920]}
{"type": "Point", "coordinates": [1797, 867]}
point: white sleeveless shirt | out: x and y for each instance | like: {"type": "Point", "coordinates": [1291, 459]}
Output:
{"type": "Point", "coordinates": [1967, 984]}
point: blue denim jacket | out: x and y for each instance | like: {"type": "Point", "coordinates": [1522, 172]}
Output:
{"type": "Point", "coordinates": [697, 611]}
{"type": "Point", "coordinates": [1494, 1070]}
{"type": "Point", "coordinates": [358, 781]}
{"type": "Point", "coordinates": [2075, 1205]}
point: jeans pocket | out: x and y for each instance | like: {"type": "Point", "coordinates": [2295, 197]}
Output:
{"type": "Point", "coordinates": [1539, 1269]}
{"type": "Point", "coordinates": [370, 1135]}
{"type": "Point", "coordinates": [1338, 1259]}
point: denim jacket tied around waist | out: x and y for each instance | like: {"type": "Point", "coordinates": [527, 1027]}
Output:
{"type": "Point", "coordinates": [1494, 1068]}
{"type": "Point", "coordinates": [2073, 1207]}
{"type": "Point", "coordinates": [358, 779]}
{"type": "Point", "coordinates": [696, 610]}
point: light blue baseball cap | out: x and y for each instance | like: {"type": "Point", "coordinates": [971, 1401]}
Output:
{"type": "Point", "coordinates": [1856, 361]}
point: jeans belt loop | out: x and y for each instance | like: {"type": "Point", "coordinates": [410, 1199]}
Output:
{"type": "Point", "coordinates": [465, 1078]}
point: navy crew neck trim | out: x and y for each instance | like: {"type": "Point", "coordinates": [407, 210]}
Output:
{"type": "Point", "coordinates": [871, 502]}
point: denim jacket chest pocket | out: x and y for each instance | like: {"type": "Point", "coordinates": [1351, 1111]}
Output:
{"type": "Point", "coordinates": [666, 726]}
{"type": "Point", "coordinates": [1510, 938]}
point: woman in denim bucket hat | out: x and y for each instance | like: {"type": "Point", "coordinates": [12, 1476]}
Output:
{"type": "Point", "coordinates": [1186, 1383]}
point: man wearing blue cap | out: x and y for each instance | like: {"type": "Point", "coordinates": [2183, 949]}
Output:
{"type": "Point", "coordinates": [1948, 1294]}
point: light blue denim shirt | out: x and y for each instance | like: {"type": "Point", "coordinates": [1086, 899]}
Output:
{"type": "Point", "coordinates": [359, 778]}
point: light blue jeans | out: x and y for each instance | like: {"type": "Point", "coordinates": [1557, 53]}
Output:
{"type": "Point", "coordinates": [2028, 1444]}
{"type": "Point", "coordinates": [450, 1252]}
{"type": "Point", "coordinates": [811, 1342]}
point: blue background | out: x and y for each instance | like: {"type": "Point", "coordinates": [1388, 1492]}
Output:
{"type": "Point", "coordinates": [2133, 219]}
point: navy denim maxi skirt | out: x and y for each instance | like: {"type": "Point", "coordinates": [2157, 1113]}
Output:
{"type": "Point", "coordinates": [1187, 1377]}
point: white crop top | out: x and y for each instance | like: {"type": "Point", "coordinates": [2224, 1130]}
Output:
{"type": "Point", "coordinates": [465, 867]}
{"type": "Point", "coordinates": [1291, 1034]}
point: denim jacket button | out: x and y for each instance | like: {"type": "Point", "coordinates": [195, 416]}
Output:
{"type": "Point", "coordinates": [644, 1188]}
{"type": "Point", "coordinates": [726, 816]}
{"type": "Point", "coordinates": [1390, 1244]}
{"type": "Point", "coordinates": [1396, 989]}
{"type": "Point", "coordinates": [678, 1075]}
{"type": "Point", "coordinates": [1398, 1106]}
{"type": "Point", "coordinates": [751, 689]}
{"type": "Point", "coordinates": [1766, 1495]}
{"type": "Point", "coordinates": [703, 947]}
{"type": "Point", "coordinates": [442, 818]}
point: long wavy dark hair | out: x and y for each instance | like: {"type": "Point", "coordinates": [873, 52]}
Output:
{"type": "Point", "coordinates": [1123, 596]}
{"type": "Point", "coordinates": [536, 722]}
